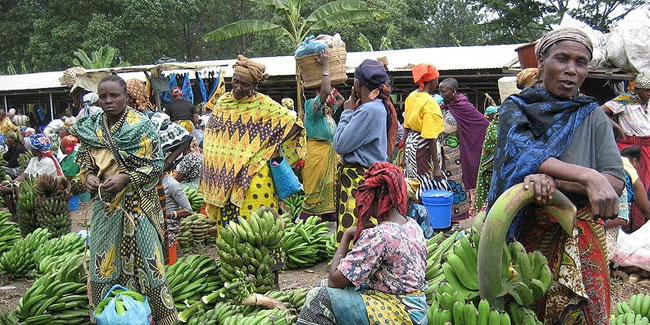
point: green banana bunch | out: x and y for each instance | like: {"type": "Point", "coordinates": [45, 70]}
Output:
{"type": "Point", "coordinates": [437, 249]}
{"type": "Point", "coordinates": [457, 311]}
{"type": "Point", "coordinates": [19, 259]}
{"type": "Point", "coordinates": [25, 206]}
{"type": "Point", "coordinates": [52, 263]}
{"type": "Point", "coordinates": [196, 230]}
{"type": "Point", "coordinates": [51, 196]}
{"type": "Point", "coordinates": [58, 297]}
{"type": "Point", "coordinates": [531, 277]}
{"type": "Point", "coordinates": [192, 277]}
{"type": "Point", "coordinates": [293, 298]}
{"type": "Point", "coordinates": [630, 318]}
{"type": "Point", "coordinates": [295, 204]}
{"type": "Point", "coordinates": [268, 316]}
{"type": "Point", "coordinates": [460, 268]}
{"type": "Point", "coordinates": [330, 245]}
{"type": "Point", "coordinates": [522, 315]}
{"type": "Point", "coordinates": [639, 304]}
{"type": "Point", "coordinates": [70, 243]}
{"type": "Point", "coordinates": [9, 232]}
{"type": "Point", "coordinates": [8, 318]}
{"type": "Point", "coordinates": [195, 198]}
{"type": "Point", "coordinates": [305, 243]}
{"type": "Point", "coordinates": [23, 159]}
{"type": "Point", "coordinates": [214, 316]}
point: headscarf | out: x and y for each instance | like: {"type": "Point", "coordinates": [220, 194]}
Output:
{"type": "Point", "coordinates": [137, 90]}
{"type": "Point", "coordinates": [424, 73]}
{"type": "Point", "coordinates": [527, 78]}
{"type": "Point", "coordinates": [40, 142]}
{"type": "Point", "coordinates": [372, 74]}
{"type": "Point", "coordinates": [642, 81]}
{"type": "Point", "coordinates": [491, 110]}
{"type": "Point", "coordinates": [176, 92]}
{"type": "Point", "coordinates": [384, 187]}
{"type": "Point", "coordinates": [249, 70]}
{"type": "Point", "coordinates": [288, 103]}
{"type": "Point", "coordinates": [89, 99]}
{"type": "Point", "coordinates": [563, 34]}
{"type": "Point", "coordinates": [68, 143]}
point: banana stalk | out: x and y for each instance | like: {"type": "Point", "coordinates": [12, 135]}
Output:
{"type": "Point", "coordinates": [495, 228]}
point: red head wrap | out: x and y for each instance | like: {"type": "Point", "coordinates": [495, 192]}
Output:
{"type": "Point", "coordinates": [177, 92]}
{"type": "Point", "coordinates": [383, 190]}
{"type": "Point", "coordinates": [424, 73]}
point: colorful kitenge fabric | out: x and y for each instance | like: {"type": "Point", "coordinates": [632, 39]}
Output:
{"type": "Point", "coordinates": [580, 293]}
{"type": "Point", "coordinates": [240, 138]}
{"type": "Point", "coordinates": [630, 114]}
{"type": "Point", "coordinates": [260, 193]}
{"type": "Point", "coordinates": [126, 234]}
{"type": "Point", "coordinates": [7, 126]}
{"type": "Point", "coordinates": [319, 174]}
{"type": "Point", "coordinates": [454, 173]}
{"type": "Point", "coordinates": [171, 134]}
{"type": "Point", "coordinates": [533, 126]}
{"type": "Point", "coordinates": [137, 91]}
{"type": "Point", "coordinates": [187, 125]}
{"type": "Point", "coordinates": [190, 166]}
{"type": "Point", "coordinates": [349, 179]}
{"type": "Point", "coordinates": [487, 165]}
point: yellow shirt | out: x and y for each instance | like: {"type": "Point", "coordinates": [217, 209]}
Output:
{"type": "Point", "coordinates": [630, 170]}
{"type": "Point", "coordinates": [422, 114]}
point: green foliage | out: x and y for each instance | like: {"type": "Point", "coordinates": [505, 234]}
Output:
{"type": "Point", "coordinates": [102, 58]}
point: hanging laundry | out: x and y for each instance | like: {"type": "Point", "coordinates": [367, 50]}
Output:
{"type": "Point", "coordinates": [166, 96]}
{"type": "Point", "coordinates": [187, 89]}
{"type": "Point", "coordinates": [202, 89]}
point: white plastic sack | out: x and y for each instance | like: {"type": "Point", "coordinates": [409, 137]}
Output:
{"type": "Point", "coordinates": [597, 38]}
{"type": "Point", "coordinates": [629, 44]}
{"type": "Point", "coordinates": [633, 249]}
{"type": "Point", "coordinates": [615, 50]}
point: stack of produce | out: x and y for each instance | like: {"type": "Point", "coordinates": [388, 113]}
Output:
{"type": "Point", "coordinates": [268, 316]}
{"type": "Point", "coordinates": [453, 308]}
{"type": "Point", "coordinates": [245, 253]}
{"type": "Point", "coordinates": [196, 230]}
{"type": "Point", "coordinates": [304, 242]}
{"type": "Point", "coordinates": [293, 298]}
{"type": "Point", "coordinates": [196, 199]}
{"type": "Point", "coordinates": [69, 243]}
{"type": "Point", "coordinates": [295, 204]}
{"type": "Point", "coordinates": [636, 312]}
{"type": "Point", "coordinates": [20, 258]}
{"type": "Point", "coordinates": [25, 206]}
{"type": "Point", "coordinates": [23, 160]}
{"type": "Point", "coordinates": [51, 263]}
{"type": "Point", "coordinates": [51, 196]}
{"type": "Point", "coordinates": [330, 245]}
{"type": "Point", "coordinates": [214, 316]}
{"type": "Point", "coordinates": [57, 297]}
{"type": "Point", "coordinates": [437, 250]}
{"type": "Point", "coordinates": [192, 277]}
{"type": "Point", "coordinates": [9, 232]}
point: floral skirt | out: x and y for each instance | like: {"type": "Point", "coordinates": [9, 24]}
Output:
{"type": "Point", "coordinates": [454, 173]}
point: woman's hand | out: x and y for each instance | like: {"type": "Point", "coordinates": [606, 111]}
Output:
{"type": "Point", "coordinates": [115, 183]}
{"type": "Point", "coordinates": [542, 185]}
{"type": "Point", "coordinates": [324, 60]}
{"type": "Point", "coordinates": [352, 102]}
{"type": "Point", "coordinates": [602, 196]}
{"type": "Point", "coordinates": [436, 173]}
{"type": "Point", "coordinates": [92, 182]}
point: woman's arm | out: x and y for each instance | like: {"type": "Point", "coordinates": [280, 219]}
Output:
{"type": "Point", "coordinates": [617, 127]}
{"type": "Point", "coordinates": [179, 176]}
{"type": "Point", "coordinates": [336, 279]}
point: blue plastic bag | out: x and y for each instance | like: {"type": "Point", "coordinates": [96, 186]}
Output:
{"type": "Point", "coordinates": [285, 181]}
{"type": "Point", "coordinates": [309, 46]}
{"type": "Point", "coordinates": [419, 213]}
{"type": "Point", "coordinates": [137, 313]}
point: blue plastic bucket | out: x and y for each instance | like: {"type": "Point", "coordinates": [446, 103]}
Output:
{"type": "Point", "coordinates": [74, 203]}
{"type": "Point", "coordinates": [438, 204]}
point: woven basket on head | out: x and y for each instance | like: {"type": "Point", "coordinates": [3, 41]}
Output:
{"type": "Point", "coordinates": [312, 72]}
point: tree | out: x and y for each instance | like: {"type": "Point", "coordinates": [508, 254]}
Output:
{"type": "Point", "coordinates": [102, 58]}
{"type": "Point", "coordinates": [297, 27]}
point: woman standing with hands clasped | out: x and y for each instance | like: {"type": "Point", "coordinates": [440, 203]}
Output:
{"type": "Point", "coordinates": [365, 135]}
{"type": "Point", "coordinates": [121, 161]}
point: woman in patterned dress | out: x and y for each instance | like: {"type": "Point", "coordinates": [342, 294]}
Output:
{"type": "Point", "coordinates": [379, 281]}
{"type": "Point", "coordinates": [121, 163]}
{"type": "Point", "coordinates": [552, 137]}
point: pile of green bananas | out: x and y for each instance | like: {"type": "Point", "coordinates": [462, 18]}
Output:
{"type": "Point", "coordinates": [196, 199]}
{"type": "Point", "coordinates": [9, 232]}
{"type": "Point", "coordinates": [266, 317]}
{"type": "Point", "coordinates": [20, 258]}
{"type": "Point", "coordinates": [529, 275]}
{"type": "Point", "coordinates": [51, 196]}
{"type": "Point", "coordinates": [192, 277]}
{"type": "Point", "coordinates": [637, 311]}
{"type": "Point", "coordinates": [52, 263]}
{"type": "Point", "coordinates": [437, 250]}
{"type": "Point", "coordinates": [70, 243]}
{"type": "Point", "coordinates": [25, 206]}
{"type": "Point", "coordinates": [23, 159]}
{"type": "Point", "coordinates": [196, 230]}
{"type": "Point", "coordinates": [57, 297]}
{"type": "Point", "coordinates": [330, 245]}
{"type": "Point", "coordinates": [293, 298]}
{"type": "Point", "coordinates": [214, 316]}
{"type": "Point", "coordinates": [304, 242]}
{"type": "Point", "coordinates": [455, 310]}
{"type": "Point", "coordinates": [295, 204]}
{"type": "Point", "coordinates": [245, 253]}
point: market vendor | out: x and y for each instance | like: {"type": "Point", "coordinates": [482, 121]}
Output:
{"type": "Point", "coordinates": [69, 148]}
{"type": "Point", "coordinates": [6, 125]}
{"type": "Point", "coordinates": [181, 111]}
{"type": "Point", "coordinates": [177, 207]}
{"type": "Point", "coordinates": [386, 265]}
{"type": "Point", "coordinates": [629, 115]}
{"type": "Point", "coordinates": [365, 135]}
{"type": "Point", "coordinates": [319, 171]}
{"type": "Point", "coordinates": [550, 137]}
{"type": "Point", "coordinates": [14, 149]}
{"type": "Point", "coordinates": [236, 178]}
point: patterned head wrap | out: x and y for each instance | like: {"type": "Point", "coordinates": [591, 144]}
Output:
{"type": "Point", "coordinates": [424, 73]}
{"type": "Point", "coordinates": [383, 190]}
{"type": "Point", "coordinates": [250, 70]}
{"type": "Point", "coordinates": [40, 142]}
{"type": "Point", "coordinates": [68, 143]}
{"type": "Point", "coordinates": [89, 99]}
{"type": "Point", "coordinates": [642, 81]}
{"type": "Point", "coordinates": [288, 103]}
{"type": "Point", "coordinates": [138, 92]}
{"type": "Point", "coordinates": [527, 78]}
{"type": "Point", "coordinates": [177, 92]}
{"type": "Point", "coordinates": [563, 34]}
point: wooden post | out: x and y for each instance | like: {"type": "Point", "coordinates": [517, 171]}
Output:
{"type": "Point", "coordinates": [5, 103]}
{"type": "Point", "coordinates": [299, 106]}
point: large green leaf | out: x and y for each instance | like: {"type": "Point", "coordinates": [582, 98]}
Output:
{"type": "Point", "coordinates": [244, 27]}
{"type": "Point", "coordinates": [365, 43]}
{"type": "Point", "coordinates": [348, 17]}
{"type": "Point", "coordinates": [333, 8]}
{"type": "Point", "coordinates": [279, 5]}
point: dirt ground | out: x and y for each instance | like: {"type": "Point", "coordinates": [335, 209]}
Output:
{"type": "Point", "coordinates": [12, 290]}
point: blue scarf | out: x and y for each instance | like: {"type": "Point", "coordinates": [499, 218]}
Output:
{"type": "Point", "coordinates": [533, 126]}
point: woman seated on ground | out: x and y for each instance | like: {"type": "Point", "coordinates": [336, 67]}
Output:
{"type": "Point", "coordinates": [552, 137]}
{"type": "Point", "coordinates": [188, 170]}
{"type": "Point", "coordinates": [381, 279]}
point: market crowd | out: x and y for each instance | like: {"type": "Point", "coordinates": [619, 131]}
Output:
{"type": "Point", "coordinates": [363, 171]}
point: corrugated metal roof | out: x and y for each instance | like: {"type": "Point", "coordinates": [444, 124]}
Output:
{"type": "Point", "coordinates": [444, 58]}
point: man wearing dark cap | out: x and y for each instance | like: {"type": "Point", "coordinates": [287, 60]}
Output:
{"type": "Point", "coordinates": [181, 111]}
